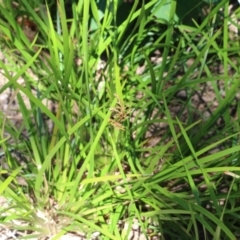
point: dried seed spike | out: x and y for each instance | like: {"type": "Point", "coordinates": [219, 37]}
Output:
{"type": "Point", "coordinates": [29, 28]}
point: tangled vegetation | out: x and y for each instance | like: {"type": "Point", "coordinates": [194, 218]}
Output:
{"type": "Point", "coordinates": [125, 113]}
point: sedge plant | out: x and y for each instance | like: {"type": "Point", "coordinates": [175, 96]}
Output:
{"type": "Point", "coordinates": [101, 146]}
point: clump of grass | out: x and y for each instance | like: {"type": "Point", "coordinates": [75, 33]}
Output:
{"type": "Point", "coordinates": [123, 146]}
